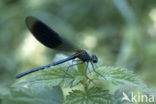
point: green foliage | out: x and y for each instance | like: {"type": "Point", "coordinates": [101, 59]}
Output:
{"type": "Point", "coordinates": [118, 95]}
{"type": "Point", "coordinates": [30, 94]}
{"type": "Point", "coordinates": [123, 33]}
{"type": "Point", "coordinates": [90, 96]}
{"type": "Point", "coordinates": [56, 76]}
{"type": "Point", "coordinates": [121, 76]}
{"type": "Point", "coordinates": [38, 88]}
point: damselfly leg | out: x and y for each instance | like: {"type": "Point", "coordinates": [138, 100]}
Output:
{"type": "Point", "coordinates": [86, 74]}
{"type": "Point", "coordinates": [96, 71]}
{"type": "Point", "coordinates": [66, 71]}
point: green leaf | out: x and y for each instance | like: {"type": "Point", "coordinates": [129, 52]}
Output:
{"type": "Point", "coordinates": [90, 96]}
{"type": "Point", "coordinates": [34, 95]}
{"type": "Point", "coordinates": [54, 76]}
{"type": "Point", "coordinates": [81, 68]}
{"type": "Point", "coordinates": [118, 95]}
{"type": "Point", "coordinates": [121, 76]}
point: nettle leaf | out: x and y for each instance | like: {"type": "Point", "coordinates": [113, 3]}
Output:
{"type": "Point", "coordinates": [56, 75]}
{"type": "Point", "coordinates": [119, 95]}
{"type": "Point", "coordinates": [121, 76]}
{"type": "Point", "coordinates": [34, 95]}
{"type": "Point", "coordinates": [91, 96]}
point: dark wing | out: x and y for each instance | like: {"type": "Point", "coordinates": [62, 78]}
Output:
{"type": "Point", "coordinates": [47, 36]}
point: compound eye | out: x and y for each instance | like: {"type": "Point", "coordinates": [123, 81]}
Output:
{"type": "Point", "coordinates": [94, 59]}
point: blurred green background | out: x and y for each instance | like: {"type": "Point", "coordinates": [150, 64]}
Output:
{"type": "Point", "coordinates": [120, 32]}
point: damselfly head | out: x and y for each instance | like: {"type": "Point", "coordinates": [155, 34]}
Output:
{"type": "Point", "coordinates": [94, 59]}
